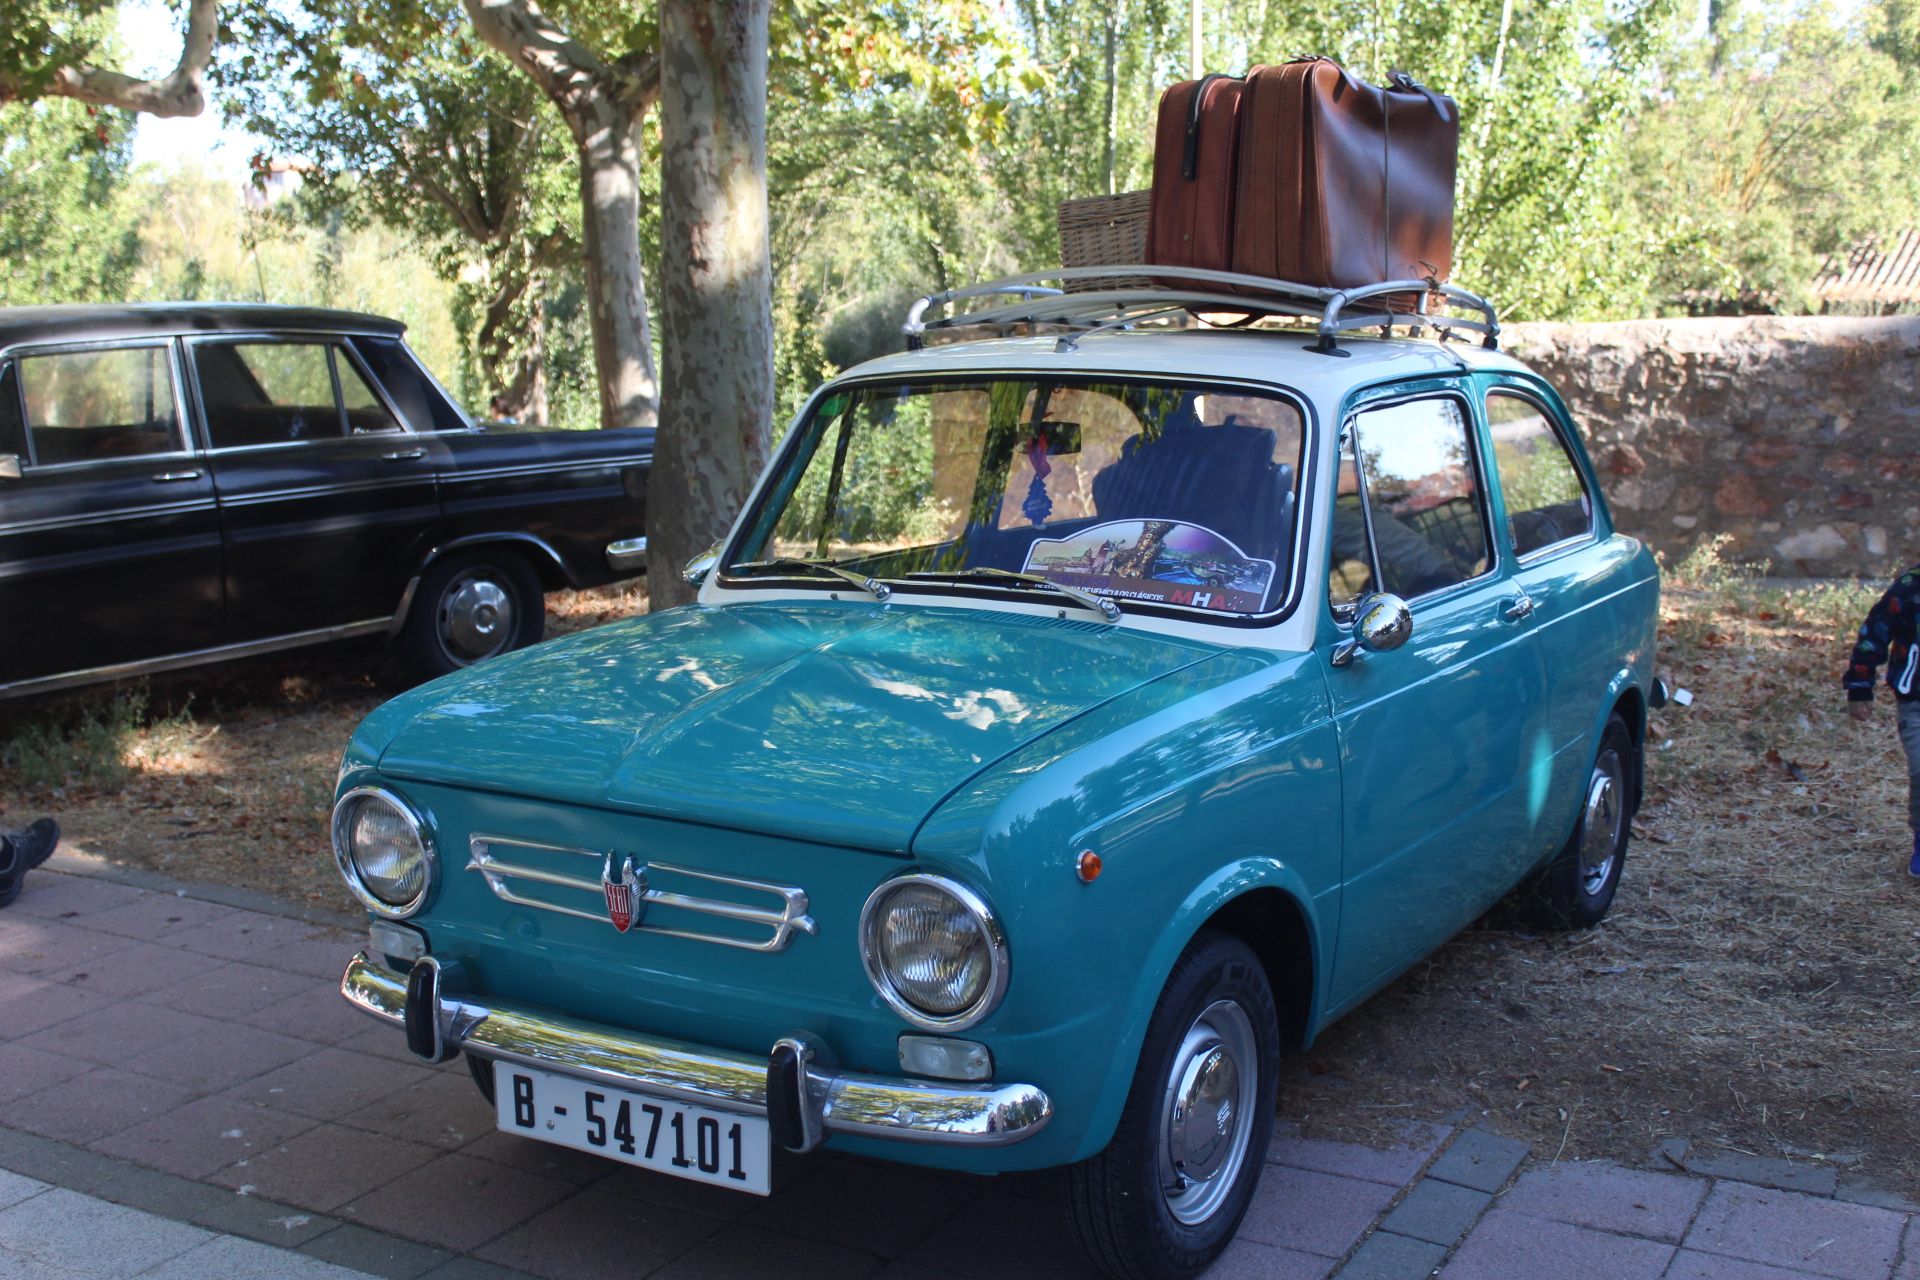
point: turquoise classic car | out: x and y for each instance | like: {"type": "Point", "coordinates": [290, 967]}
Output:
{"type": "Point", "coordinates": [1078, 718]}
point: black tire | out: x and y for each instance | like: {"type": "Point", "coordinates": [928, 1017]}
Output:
{"type": "Point", "coordinates": [481, 1069]}
{"type": "Point", "coordinates": [1123, 1210]}
{"type": "Point", "coordinates": [1575, 890]}
{"type": "Point", "coordinates": [471, 606]}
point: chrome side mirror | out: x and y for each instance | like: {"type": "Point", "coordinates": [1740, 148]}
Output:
{"type": "Point", "coordinates": [9, 466]}
{"type": "Point", "coordinates": [1381, 623]}
{"type": "Point", "coordinates": [700, 566]}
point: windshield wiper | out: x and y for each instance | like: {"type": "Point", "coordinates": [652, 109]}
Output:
{"type": "Point", "coordinates": [881, 591]}
{"type": "Point", "coordinates": [1099, 604]}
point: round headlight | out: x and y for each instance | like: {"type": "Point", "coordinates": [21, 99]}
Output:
{"type": "Point", "coordinates": [933, 951]}
{"type": "Point", "coordinates": [383, 850]}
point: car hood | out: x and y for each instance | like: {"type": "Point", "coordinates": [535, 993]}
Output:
{"type": "Point", "coordinates": [838, 723]}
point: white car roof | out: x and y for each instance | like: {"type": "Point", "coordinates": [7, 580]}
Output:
{"type": "Point", "coordinates": [1282, 357]}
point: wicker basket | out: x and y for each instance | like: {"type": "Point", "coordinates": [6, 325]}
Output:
{"type": "Point", "coordinates": [1100, 230]}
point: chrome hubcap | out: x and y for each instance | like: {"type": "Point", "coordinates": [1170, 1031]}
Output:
{"type": "Point", "coordinates": [476, 617]}
{"type": "Point", "coordinates": [1206, 1115]}
{"type": "Point", "coordinates": [1600, 826]}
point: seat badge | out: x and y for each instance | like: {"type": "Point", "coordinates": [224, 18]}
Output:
{"type": "Point", "coordinates": [626, 896]}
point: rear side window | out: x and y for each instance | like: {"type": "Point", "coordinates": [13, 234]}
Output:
{"type": "Point", "coordinates": [1409, 516]}
{"type": "Point", "coordinates": [407, 385]}
{"type": "Point", "coordinates": [1547, 501]}
{"type": "Point", "coordinates": [84, 406]}
{"type": "Point", "coordinates": [259, 393]}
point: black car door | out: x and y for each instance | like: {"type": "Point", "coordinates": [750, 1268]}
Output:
{"type": "Point", "coordinates": [323, 491]}
{"type": "Point", "coordinates": [109, 536]}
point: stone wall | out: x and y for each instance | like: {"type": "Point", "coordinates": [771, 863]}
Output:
{"type": "Point", "coordinates": [1800, 436]}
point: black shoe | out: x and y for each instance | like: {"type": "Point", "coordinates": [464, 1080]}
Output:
{"type": "Point", "coordinates": [21, 852]}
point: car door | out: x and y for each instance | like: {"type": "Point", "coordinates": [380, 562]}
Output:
{"type": "Point", "coordinates": [109, 537]}
{"type": "Point", "coordinates": [324, 493]}
{"type": "Point", "coordinates": [1434, 775]}
{"type": "Point", "coordinates": [1551, 527]}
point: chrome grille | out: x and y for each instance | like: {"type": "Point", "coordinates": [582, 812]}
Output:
{"type": "Point", "coordinates": [514, 881]}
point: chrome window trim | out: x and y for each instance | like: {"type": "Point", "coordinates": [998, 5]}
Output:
{"type": "Point", "coordinates": [998, 958]}
{"type": "Point", "coordinates": [350, 869]}
{"type": "Point", "coordinates": [791, 918]}
{"type": "Point", "coordinates": [192, 658]}
{"type": "Point", "coordinates": [182, 433]}
{"type": "Point", "coordinates": [1552, 549]}
{"type": "Point", "coordinates": [1303, 481]}
{"type": "Point", "coordinates": [473, 424]}
{"type": "Point", "coordinates": [1495, 554]}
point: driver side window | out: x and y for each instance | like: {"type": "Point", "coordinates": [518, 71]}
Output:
{"type": "Point", "coordinates": [1409, 516]}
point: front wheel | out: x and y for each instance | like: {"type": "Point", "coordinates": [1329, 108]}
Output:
{"type": "Point", "coordinates": [1575, 890]}
{"type": "Point", "coordinates": [472, 606]}
{"type": "Point", "coordinates": [1165, 1197]}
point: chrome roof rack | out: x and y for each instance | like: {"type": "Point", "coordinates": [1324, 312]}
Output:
{"type": "Point", "coordinates": [1119, 304]}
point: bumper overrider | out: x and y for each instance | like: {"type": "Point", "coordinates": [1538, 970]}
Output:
{"type": "Point", "coordinates": [795, 1086]}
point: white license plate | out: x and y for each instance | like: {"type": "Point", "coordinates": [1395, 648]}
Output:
{"type": "Point", "coordinates": [721, 1147]}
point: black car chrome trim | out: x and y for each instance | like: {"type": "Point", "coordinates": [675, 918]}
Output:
{"type": "Point", "coordinates": [856, 1104]}
{"type": "Point", "coordinates": [192, 658]}
{"type": "Point", "coordinates": [544, 468]}
{"type": "Point", "coordinates": [790, 918]}
{"type": "Point", "coordinates": [149, 512]}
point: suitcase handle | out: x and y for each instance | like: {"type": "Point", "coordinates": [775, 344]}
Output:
{"type": "Point", "coordinates": [1407, 84]}
{"type": "Point", "coordinates": [1190, 157]}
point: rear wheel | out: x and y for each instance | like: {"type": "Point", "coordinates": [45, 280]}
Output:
{"type": "Point", "coordinates": [1575, 890]}
{"type": "Point", "coordinates": [1165, 1197]}
{"type": "Point", "coordinates": [472, 606]}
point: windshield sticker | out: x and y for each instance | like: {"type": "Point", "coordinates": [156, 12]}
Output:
{"type": "Point", "coordinates": [1164, 561]}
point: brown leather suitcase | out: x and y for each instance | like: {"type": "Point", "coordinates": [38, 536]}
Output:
{"type": "Point", "coordinates": [1196, 148]}
{"type": "Point", "coordinates": [1340, 183]}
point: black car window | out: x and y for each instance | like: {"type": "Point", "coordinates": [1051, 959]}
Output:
{"type": "Point", "coordinates": [421, 403]}
{"type": "Point", "coordinates": [82, 406]}
{"type": "Point", "coordinates": [1547, 502]}
{"type": "Point", "coordinates": [259, 393]}
{"type": "Point", "coordinates": [367, 414]}
{"type": "Point", "coordinates": [1427, 517]}
{"type": "Point", "coordinates": [13, 431]}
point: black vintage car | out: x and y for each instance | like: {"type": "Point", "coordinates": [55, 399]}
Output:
{"type": "Point", "coordinates": [181, 484]}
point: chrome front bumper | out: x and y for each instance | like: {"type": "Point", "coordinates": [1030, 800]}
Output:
{"type": "Point", "coordinates": [823, 1100]}
{"type": "Point", "coordinates": [628, 553]}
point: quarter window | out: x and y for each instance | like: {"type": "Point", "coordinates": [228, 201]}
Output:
{"type": "Point", "coordinates": [1409, 516]}
{"type": "Point", "coordinates": [259, 393]}
{"type": "Point", "coordinates": [1547, 502]}
{"type": "Point", "coordinates": [82, 406]}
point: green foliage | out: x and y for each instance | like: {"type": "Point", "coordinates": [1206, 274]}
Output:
{"type": "Point", "coordinates": [1783, 134]}
{"type": "Point", "coordinates": [38, 37]}
{"type": "Point", "coordinates": [65, 234]}
{"type": "Point", "coordinates": [83, 741]}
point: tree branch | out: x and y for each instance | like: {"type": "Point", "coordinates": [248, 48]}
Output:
{"type": "Point", "coordinates": [181, 92]}
{"type": "Point", "coordinates": [567, 71]}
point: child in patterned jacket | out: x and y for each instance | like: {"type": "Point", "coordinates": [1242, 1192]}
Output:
{"type": "Point", "coordinates": [1888, 636]}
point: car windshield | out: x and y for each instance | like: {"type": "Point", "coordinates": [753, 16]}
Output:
{"type": "Point", "coordinates": [1159, 492]}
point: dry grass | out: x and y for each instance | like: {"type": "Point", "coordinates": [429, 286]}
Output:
{"type": "Point", "coordinates": [1757, 986]}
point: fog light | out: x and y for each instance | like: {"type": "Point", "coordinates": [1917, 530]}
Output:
{"type": "Point", "coordinates": [945, 1059]}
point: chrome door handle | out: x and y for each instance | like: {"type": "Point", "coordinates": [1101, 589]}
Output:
{"type": "Point", "coordinates": [1517, 609]}
{"type": "Point", "coordinates": [168, 477]}
{"type": "Point", "coordinates": [404, 455]}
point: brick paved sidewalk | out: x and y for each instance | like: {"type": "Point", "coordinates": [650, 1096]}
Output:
{"type": "Point", "coordinates": [64, 1235]}
{"type": "Point", "coordinates": [192, 1059]}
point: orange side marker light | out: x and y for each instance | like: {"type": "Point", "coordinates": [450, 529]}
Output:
{"type": "Point", "coordinates": [1088, 867]}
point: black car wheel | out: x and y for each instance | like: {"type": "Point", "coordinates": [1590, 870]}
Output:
{"type": "Point", "coordinates": [473, 606]}
{"type": "Point", "coordinates": [1575, 890]}
{"type": "Point", "coordinates": [1165, 1197]}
